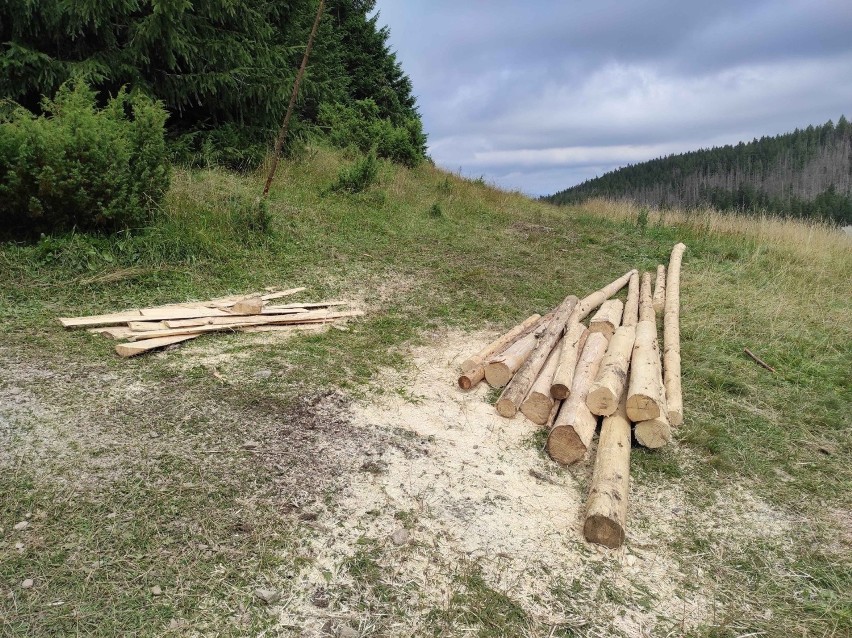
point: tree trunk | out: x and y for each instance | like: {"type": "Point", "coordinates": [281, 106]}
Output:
{"type": "Point", "coordinates": [499, 371]}
{"type": "Point", "coordinates": [609, 386]}
{"type": "Point", "coordinates": [645, 396]}
{"type": "Point", "coordinates": [608, 318]}
{"type": "Point", "coordinates": [536, 407]}
{"type": "Point", "coordinates": [572, 346]}
{"type": "Point", "coordinates": [606, 509]}
{"type": "Point", "coordinates": [660, 290]}
{"type": "Point", "coordinates": [671, 338]}
{"type": "Point", "coordinates": [572, 432]}
{"type": "Point", "coordinates": [473, 369]}
{"type": "Point", "coordinates": [517, 389]}
{"type": "Point", "coordinates": [631, 306]}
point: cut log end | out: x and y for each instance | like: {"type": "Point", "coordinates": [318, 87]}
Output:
{"type": "Point", "coordinates": [653, 433]}
{"type": "Point", "coordinates": [641, 407]}
{"type": "Point", "coordinates": [498, 374]}
{"type": "Point", "coordinates": [602, 401]}
{"type": "Point", "coordinates": [560, 391]}
{"type": "Point", "coordinates": [564, 445]}
{"type": "Point", "coordinates": [537, 407]}
{"type": "Point", "coordinates": [603, 531]}
{"type": "Point", "coordinates": [675, 418]}
{"type": "Point", "coordinates": [506, 408]}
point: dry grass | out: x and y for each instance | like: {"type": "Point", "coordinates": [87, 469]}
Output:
{"type": "Point", "coordinates": [813, 239]}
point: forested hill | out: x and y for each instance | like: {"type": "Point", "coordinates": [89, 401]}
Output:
{"type": "Point", "coordinates": [806, 173]}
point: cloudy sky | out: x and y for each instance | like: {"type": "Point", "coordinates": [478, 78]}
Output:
{"type": "Point", "coordinates": [542, 94]}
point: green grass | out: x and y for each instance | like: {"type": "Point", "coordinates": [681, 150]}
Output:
{"type": "Point", "coordinates": [425, 250]}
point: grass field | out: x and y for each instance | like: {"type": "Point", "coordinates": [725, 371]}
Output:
{"type": "Point", "coordinates": [133, 474]}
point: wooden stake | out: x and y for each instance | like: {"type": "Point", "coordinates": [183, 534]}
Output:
{"type": "Point", "coordinates": [671, 338]}
{"type": "Point", "coordinates": [606, 509]}
{"type": "Point", "coordinates": [609, 386]}
{"type": "Point", "coordinates": [499, 371]}
{"type": "Point", "coordinates": [572, 346]}
{"type": "Point", "coordinates": [538, 404]}
{"type": "Point", "coordinates": [631, 306]}
{"type": "Point", "coordinates": [285, 125]}
{"type": "Point", "coordinates": [574, 428]}
{"type": "Point", "coordinates": [517, 389]}
{"type": "Point", "coordinates": [498, 345]}
{"type": "Point", "coordinates": [660, 290]}
{"type": "Point", "coordinates": [607, 318]}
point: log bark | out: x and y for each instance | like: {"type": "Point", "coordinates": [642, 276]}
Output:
{"type": "Point", "coordinates": [660, 290]}
{"type": "Point", "coordinates": [654, 433]}
{"type": "Point", "coordinates": [574, 428]}
{"type": "Point", "coordinates": [500, 370]}
{"type": "Point", "coordinates": [518, 388]}
{"type": "Point", "coordinates": [645, 396]}
{"type": "Point", "coordinates": [606, 508]}
{"type": "Point", "coordinates": [607, 318]}
{"type": "Point", "coordinates": [538, 404]}
{"type": "Point", "coordinates": [671, 338]}
{"type": "Point", "coordinates": [572, 346]}
{"type": "Point", "coordinates": [499, 345]}
{"type": "Point", "coordinates": [609, 386]}
{"type": "Point", "coordinates": [646, 299]}
{"type": "Point", "coordinates": [631, 306]}
{"type": "Point", "coordinates": [585, 307]}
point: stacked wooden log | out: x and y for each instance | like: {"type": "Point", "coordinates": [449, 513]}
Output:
{"type": "Point", "coordinates": [146, 329]}
{"type": "Point", "coordinates": [567, 376]}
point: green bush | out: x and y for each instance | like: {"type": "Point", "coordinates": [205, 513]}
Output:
{"type": "Point", "coordinates": [79, 167]}
{"type": "Point", "coordinates": [401, 141]}
{"type": "Point", "coordinates": [359, 176]}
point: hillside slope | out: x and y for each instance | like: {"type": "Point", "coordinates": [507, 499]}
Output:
{"type": "Point", "coordinates": [807, 173]}
{"type": "Point", "coordinates": [159, 493]}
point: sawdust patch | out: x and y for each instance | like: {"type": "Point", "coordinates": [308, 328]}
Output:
{"type": "Point", "coordinates": [472, 488]}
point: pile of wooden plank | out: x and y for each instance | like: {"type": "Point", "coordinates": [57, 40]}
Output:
{"type": "Point", "coordinates": [567, 376]}
{"type": "Point", "coordinates": [147, 329]}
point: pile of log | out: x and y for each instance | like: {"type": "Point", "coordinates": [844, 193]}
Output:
{"type": "Point", "coordinates": [576, 379]}
{"type": "Point", "coordinates": [146, 329]}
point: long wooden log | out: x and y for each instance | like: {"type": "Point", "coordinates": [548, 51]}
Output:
{"type": "Point", "coordinates": [538, 404]}
{"type": "Point", "coordinates": [671, 338]}
{"type": "Point", "coordinates": [498, 345]}
{"type": "Point", "coordinates": [500, 369]}
{"type": "Point", "coordinates": [572, 345]}
{"type": "Point", "coordinates": [631, 306]}
{"type": "Point", "coordinates": [606, 509]}
{"type": "Point", "coordinates": [261, 320]}
{"type": "Point", "coordinates": [133, 349]}
{"type": "Point", "coordinates": [609, 386]}
{"type": "Point", "coordinates": [660, 290]}
{"type": "Point", "coordinates": [517, 389]}
{"type": "Point", "coordinates": [645, 395]}
{"type": "Point", "coordinates": [646, 299]}
{"type": "Point", "coordinates": [585, 307]}
{"type": "Point", "coordinates": [607, 318]}
{"type": "Point", "coordinates": [574, 428]}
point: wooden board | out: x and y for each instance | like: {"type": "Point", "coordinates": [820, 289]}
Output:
{"type": "Point", "coordinates": [136, 348]}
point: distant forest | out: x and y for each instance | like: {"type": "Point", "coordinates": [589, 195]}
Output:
{"type": "Point", "coordinates": [806, 173]}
